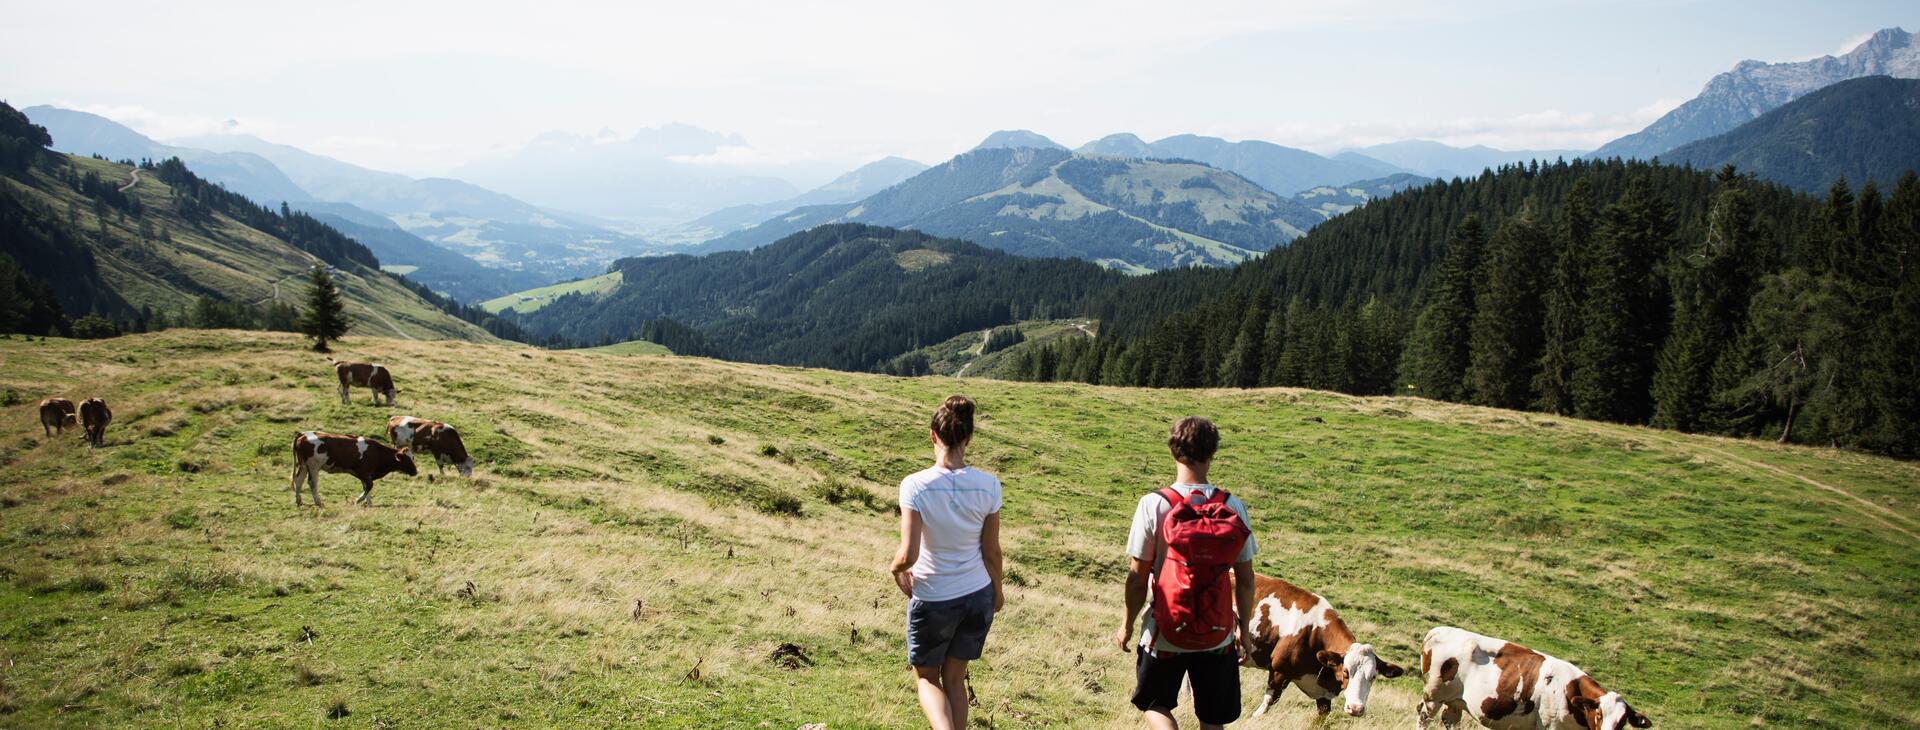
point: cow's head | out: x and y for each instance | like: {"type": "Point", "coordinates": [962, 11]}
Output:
{"type": "Point", "coordinates": [1356, 671]}
{"type": "Point", "coordinates": [403, 462]}
{"type": "Point", "coordinates": [1607, 713]}
{"type": "Point", "coordinates": [71, 420]}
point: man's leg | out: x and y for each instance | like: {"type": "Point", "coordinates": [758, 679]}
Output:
{"type": "Point", "coordinates": [933, 698]}
{"type": "Point", "coordinates": [1156, 689]}
{"type": "Point", "coordinates": [1216, 688]}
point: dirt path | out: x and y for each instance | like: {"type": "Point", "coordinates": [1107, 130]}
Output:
{"type": "Point", "coordinates": [977, 349]}
{"type": "Point", "coordinates": [133, 182]}
{"type": "Point", "coordinates": [1871, 510]}
{"type": "Point", "coordinates": [275, 296]}
{"type": "Point", "coordinates": [388, 322]}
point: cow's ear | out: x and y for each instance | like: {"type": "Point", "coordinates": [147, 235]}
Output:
{"type": "Point", "coordinates": [1584, 705]}
{"type": "Point", "coordinates": [1390, 670]}
{"type": "Point", "coordinates": [1332, 659]}
{"type": "Point", "coordinates": [1637, 720]}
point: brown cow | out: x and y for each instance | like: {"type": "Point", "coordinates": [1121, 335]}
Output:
{"type": "Point", "coordinates": [1300, 640]}
{"type": "Point", "coordinates": [95, 415]}
{"type": "Point", "coordinates": [371, 375]}
{"type": "Point", "coordinates": [56, 416]}
{"type": "Point", "coordinates": [433, 438]}
{"type": "Point", "coordinates": [1508, 686]}
{"type": "Point", "coordinates": [315, 452]}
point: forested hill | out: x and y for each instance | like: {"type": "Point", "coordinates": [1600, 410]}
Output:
{"type": "Point", "coordinates": [1127, 214]}
{"type": "Point", "coordinates": [121, 246]}
{"type": "Point", "coordinates": [845, 296]}
{"type": "Point", "coordinates": [1621, 291]}
{"type": "Point", "coordinates": [1862, 129]}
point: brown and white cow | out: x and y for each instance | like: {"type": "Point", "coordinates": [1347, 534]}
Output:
{"type": "Point", "coordinates": [365, 374]}
{"type": "Point", "coordinates": [1300, 640]}
{"type": "Point", "coordinates": [315, 452]}
{"type": "Point", "coordinates": [56, 416]}
{"type": "Point", "coordinates": [433, 438]}
{"type": "Point", "coordinates": [94, 414]}
{"type": "Point", "coordinates": [1507, 686]}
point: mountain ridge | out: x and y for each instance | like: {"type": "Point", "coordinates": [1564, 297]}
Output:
{"type": "Point", "coordinates": [1859, 129]}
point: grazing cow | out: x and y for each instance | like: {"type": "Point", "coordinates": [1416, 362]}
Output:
{"type": "Point", "coordinates": [1299, 639]}
{"type": "Point", "coordinates": [1510, 687]}
{"type": "Point", "coordinates": [56, 416]}
{"type": "Point", "coordinates": [371, 375]}
{"type": "Point", "coordinates": [315, 452]}
{"type": "Point", "coordinates": [95, 414]}
{"type": "Point", "coordinates": [433, 438]}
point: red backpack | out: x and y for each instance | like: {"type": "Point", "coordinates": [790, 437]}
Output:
{"type": "Point", "coordinates": [1192, 598]}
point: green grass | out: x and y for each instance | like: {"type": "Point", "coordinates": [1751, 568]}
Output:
{"type": "Point", "coordinates": [167, 580]}
{"type": "Point", "coordinates": [532, 300]}
{"type": "Point", "coordinates": [632, 347]}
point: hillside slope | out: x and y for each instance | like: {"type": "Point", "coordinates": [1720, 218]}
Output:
{"type": "Point", "coordinates": [629, 553]}
{"type": "Point", "coordinates": [845, 296]}
{"type": "Point", "coordinates": [1127, 214]}
{"type": "Point", "coordinates": [1754, 88]}
{"type": "Point", "coordinates": [1863, 129]}
{"type": "Point", "coordinates": [245, 173]}
{"type": "Point", "coordinates": [173, 252]}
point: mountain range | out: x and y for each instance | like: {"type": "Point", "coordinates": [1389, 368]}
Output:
{"type": "Point", "coordinates": [665, 174]}
{"type": "Point", "coordinates": [1754, 88]}
{"type": "Point", "coordinates": [1125, 213]}
{"type": "Point", "coordinates": [1281, 170]}
{"type": "Point", "coordinates": [863, 181]}
{"type": "Point", "coordinates": [1860, 129]}
{"type": "Point", "coordinates": [246, 173]}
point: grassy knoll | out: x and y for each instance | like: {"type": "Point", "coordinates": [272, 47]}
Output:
{"type": "Point", "coordinates": [533, 299]}
{"type": "Point", "coordinates": [632, 347]}
{"type": "Point", "coordinates": [961, 355]}
{"type": "Point", "coordinates": [634, 520]}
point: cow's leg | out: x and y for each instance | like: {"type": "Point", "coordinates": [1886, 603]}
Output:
{"type": "Point", "coordinates": [313, 484]}
{"type": "Point", "coordinates": [298, 475]}
{"type": "Point", "coordinates": [1450, 718]}
{"type": "Point", "coordinates": [366, 492]}
{"type": "Point", "coordinates": [46, 429]}
{"type": "Point", "coordinates": [1275, 685]}
{"type": "Point", "coordinates": [343, 394]}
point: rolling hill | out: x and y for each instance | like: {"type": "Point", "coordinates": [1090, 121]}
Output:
{"type": "Point", "coordinates": [119, 241]}
{"type": "Point", "coordinates": [245, 173]}
{"type": "Point", "coordinates": [1332, 200]}
{"type": "Point", "coordinates": [1754, 88]}
{"type": "Point", "coordinates": [1861, 129]}
{"type": "Point", "coordinates": [533, 299]}
{"type": "Point", "coordinates": [1281, 170]}
{"type": "Point", "coordinates": [1127, 214]}
{"type": "Point", "coordinates": [847, 296]}
{"type": "Point", "coordinates": [643, 533]}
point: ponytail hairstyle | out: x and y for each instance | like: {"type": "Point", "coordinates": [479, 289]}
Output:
{"type": "Point", "coordinates": [953, 421]}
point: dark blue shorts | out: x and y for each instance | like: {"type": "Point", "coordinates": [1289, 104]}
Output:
{"type": "Point", "coordinates": [955, 628]}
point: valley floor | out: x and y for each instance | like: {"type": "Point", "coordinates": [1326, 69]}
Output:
{"type": "Point", "coordinates": [643, 532]}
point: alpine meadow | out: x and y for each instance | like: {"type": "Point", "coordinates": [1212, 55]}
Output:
{"type": "Point", "coordinates": [1369, 365]}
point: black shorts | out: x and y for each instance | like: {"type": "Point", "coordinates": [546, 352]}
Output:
{"type": "Point", "coordinates": [955, 628]}
{"type": "Point", "coordinates": [1215, 676]}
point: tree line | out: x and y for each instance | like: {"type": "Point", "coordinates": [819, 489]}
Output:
{"type": "Point", "coordinates": [1619, 291]}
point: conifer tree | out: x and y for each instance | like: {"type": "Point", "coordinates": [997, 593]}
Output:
{"type": "Point", "coordinates": [1561, 333]}
{"type": "Point", "coordinates": [1435, 363]}
{"type": "Point", "coordinates": [1712, 285]}
{"type": "Point", "coordinates": [1622, 319]}
{"type": "Point", "coordinates": [1507, 324]}
{"type": "Point", "coordinates": [326, 315]}
{"type": "Point", "coordinates": [1240, 367]}
{"type": "Point", "coordinates": [1892, 367]}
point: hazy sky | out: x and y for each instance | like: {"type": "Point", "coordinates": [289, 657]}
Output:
{"type": "Point", "coordinates": [422, 87]}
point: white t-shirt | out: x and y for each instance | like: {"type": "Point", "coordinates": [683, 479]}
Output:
{"type": "Point", "coordinates": [1144, 543]}
{"type": "Point", "coordinates": [953, 504]}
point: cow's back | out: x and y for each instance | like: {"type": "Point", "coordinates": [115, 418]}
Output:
{"type": "Point", "coordinates": [56, 411]}
{"type": "Point", "coordinates": [94, 412]}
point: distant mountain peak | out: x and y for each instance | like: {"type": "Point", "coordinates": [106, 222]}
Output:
{"type": "Point", "coordinates": [1124, 144]}
{"type": "Point", "coordinates": [1752, 88]}
{"type": "Point", "coordinates": [1016, 138]}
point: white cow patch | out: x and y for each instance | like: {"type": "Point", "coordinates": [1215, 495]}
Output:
{"type": "Point", "coordinates": [362, 443]}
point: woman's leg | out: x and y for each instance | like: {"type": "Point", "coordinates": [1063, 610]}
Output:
{"type": "Point", "coordinates": [954, 674]}
{"type": "Point", "coordinates": [933, 698]}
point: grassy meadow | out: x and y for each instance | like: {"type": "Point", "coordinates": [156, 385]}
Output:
{"type": "Point", "coordinates": [643, 532]}
{"type": "Point", "coordinates": [532, 300]}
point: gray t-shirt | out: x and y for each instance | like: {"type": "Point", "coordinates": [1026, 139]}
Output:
{"type": "Point", "coordinates": [1144, 543]}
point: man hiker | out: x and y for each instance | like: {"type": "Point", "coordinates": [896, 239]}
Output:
{"type": "Point", "coordinates": [1184, 540]}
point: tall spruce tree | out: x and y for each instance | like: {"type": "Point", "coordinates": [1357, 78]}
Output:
{"type": "Point", "coordinates": [1507, 324]}
{"type": "Point", "coordinates": [1623, 320]}
{"type": "Point", "coordinates": [1712, 285]}
{"type": "Point", "coordinates": [1892, 367]}
{"type": "Point", "coordinates": [1435, 361]}
{"type": "Point", "coordinates": [1564, 299]}
{"type": "Point", "coordinates": [326, 315]}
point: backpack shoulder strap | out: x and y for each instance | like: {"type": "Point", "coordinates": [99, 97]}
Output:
{"type": "Point", "coordinates": [1171, 495]}
{"type": "Point", "coordinates": [1219, 496]}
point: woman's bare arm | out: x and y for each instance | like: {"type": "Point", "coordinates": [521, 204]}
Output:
{"type": "Point", "coordinates": [990, 554]}
{"type": "Point", "coordinates": [909, 552]}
